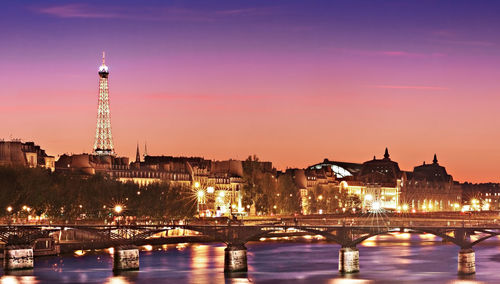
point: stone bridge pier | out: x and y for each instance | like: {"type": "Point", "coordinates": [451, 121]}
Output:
{"type": "Point", "coordinates": [235, 258]}
{"type": "Point", "coordinates": [466, 261]}
{"type": "Point", "coordinates": [466, 255]}
{"type": "Point", "coordinates": [125, 258]}
{"type": "Point", "coordinates": [348, 260]}
{"type": "Point", "coordinates": [17, 258]}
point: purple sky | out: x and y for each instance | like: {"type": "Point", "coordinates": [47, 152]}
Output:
{"type": "Point", "coordinates": [291, 81]}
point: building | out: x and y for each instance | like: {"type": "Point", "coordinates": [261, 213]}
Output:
{"type": "Point", "coordinates": [215, 184]}
{"type": "Point", "coordinates": [480, 196]}
{"type": "Point", "coordinates": [91, 164]}
{"type": "Point", "coordinates": [381, 184]}
{"type": "Point", "coordinates": [430, 188]}
{"type": "Point", "coordinates": [16, 153]}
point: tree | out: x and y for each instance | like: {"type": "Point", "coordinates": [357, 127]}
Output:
{"type": "Point", "coordinates": [289, 196]}
{"type": "Point", "coordinates": [259, 186]}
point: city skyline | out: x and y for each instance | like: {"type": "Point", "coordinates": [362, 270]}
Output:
{"type": "Point", "coordinates": [299, 91]}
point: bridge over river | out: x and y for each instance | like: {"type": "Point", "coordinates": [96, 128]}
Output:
{"type": "Point", "coordinates": [345, 231]}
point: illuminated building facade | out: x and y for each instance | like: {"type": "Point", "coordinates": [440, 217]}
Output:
{"type": "Point", "coordinates": [103, 144]}
{"type": "Point", "coordinates": [216, 184]}
{"type": "Point", "coordinates": [430, 188]}
{"type": "Point", "coordinates": [381, 184]}
{"type": "Point", "coordinates": [480, 196]}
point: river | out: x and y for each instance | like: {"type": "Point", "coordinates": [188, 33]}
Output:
{"type": "Point", "coordinates": [401, 258]}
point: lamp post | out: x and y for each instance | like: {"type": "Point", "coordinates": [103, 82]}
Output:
{"type": "Point", "coordinates": [118, 209]}
{"type": "Point", "coordinates": [201, 195]}
{"type": "Point", "coordinates": [9, 211]}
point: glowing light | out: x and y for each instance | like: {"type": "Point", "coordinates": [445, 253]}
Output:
{"type": "Point", "coordinates": [148, 247]}
{"type": "Point", "coordinates": [368, 197]}
{"type": "Point", "coordinates": [118, 209]}
{"type": "Point", "coordinates": [275, 206]}
{"type": "Point", "coordinates": [320, 197]}
{"type": "Point", "coordinates": [376, 205]}
{"type": "Point", "coordinates": [9, 209]}
{"type": "Point", "coordinates": [222, 193]}
{"type": "Point", "coordinates": [197, 184]}
{"type": "Point", "coordinates": [201, 193]}
{"type": "Point", "coordinates": [79, 252]}
{"type": "Point", "coordinates": [405, 207]}
{"type": "Point", "coordinates": [210, 189]}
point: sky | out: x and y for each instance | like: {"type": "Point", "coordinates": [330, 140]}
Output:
{"type": "Point", "coordinates": [292, 82]}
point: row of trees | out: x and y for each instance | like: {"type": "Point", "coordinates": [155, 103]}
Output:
{"type": "Point", "coordinates": [39, 192]}
{"type": "Point", "coordinates": [267, 194]}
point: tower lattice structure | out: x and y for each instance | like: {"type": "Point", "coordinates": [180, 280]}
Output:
{"type": "Point", "coordinates": [103, 144]}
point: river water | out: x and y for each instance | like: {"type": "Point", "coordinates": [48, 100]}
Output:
{"type": "Point", "coordinates": [401, 258]}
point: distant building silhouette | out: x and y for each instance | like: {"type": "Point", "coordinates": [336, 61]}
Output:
{"type": "Point", "coordinates": [17, 153]}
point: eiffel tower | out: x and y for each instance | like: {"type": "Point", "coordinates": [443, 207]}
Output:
{"type": "Point", "coordinates": [103, 144]}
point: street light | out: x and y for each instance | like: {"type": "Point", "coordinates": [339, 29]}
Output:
{"type": "Point", "coordinates": [9, 209]}
{"type": "Point", "coordinates": [118, 209]}
{"type": "Point", "coordinates": [201, 193]}
{"type": "Point", "coordinates": [210, 189]}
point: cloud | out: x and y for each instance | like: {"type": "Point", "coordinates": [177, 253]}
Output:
{"type": "Point", "coordinates": [390, 53]}
{"type": "Point", "coordinates": [411, 87]}
{"type": "Point", "coordinates": [146, 12]}
{"type": "Point", "coordinates": [76, 11]}
{"type": "Point", "coordinates": [465, 42]}
{"type": "Point", "coordinates": [454, 38]}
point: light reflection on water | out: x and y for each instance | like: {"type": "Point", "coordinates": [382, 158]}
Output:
{"type": "Point", "coordinates": [394, 258]}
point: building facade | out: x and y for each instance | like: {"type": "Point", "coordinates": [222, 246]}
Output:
{"type": "Point", "coordinates": [25, 154]}
{"type": "Point", "coordinates": [381, 184]}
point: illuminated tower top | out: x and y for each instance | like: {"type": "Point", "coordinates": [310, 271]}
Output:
{"type": "Point", "coordinates": [103, 69]}
{"type": "Point", "coordinates": [103, 144]}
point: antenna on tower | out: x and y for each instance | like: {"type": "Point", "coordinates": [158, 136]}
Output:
{"type": "Point", "coordinates": [103, 57]}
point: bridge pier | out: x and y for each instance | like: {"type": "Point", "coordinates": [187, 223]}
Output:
{"type": "Point", "coordinates": [348, 260]}
{"type": "Point", "coordinates": [17, 257]}
{"type": "Point", "coordinates": [466, 261]}
{"type": "Point", "coordinates": [125, 258]}
{"type": "Point", "coordinates": [235, 258]}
